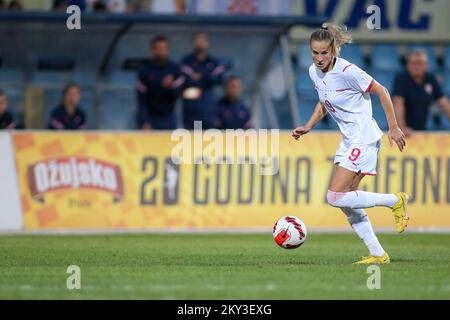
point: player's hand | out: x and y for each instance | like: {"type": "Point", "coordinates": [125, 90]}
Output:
{"type": "Point", "coordinates": [299, 131]}
{"type": "Point", "coordinates": [167, 81]}
{"type": "Point", "coordinates": [146, 126]}
{"type": "Point", "coordinates": [396, 135]}
{"type": "Point", "coordinates": [197, 76]}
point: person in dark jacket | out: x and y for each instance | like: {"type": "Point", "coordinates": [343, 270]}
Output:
{"type": "Point", "coordinates": [68, 115]}
{"type": "Point", "coordinates": [414, 91]}
{"type": "Point", "coordinates": [203, 72]}
{"type": "Point", "coordinates": [232, 113]}
{"type": "Point", "coordinates": [159, 83]}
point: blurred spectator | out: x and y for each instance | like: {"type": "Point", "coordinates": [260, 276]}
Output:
{"type": "Point", "coordinates": [233, 114]}
{"type": "Point", "coordinates": [113, 6]}
{"type": "Point", "coordinates": [59, 5]}
{"type": "Point", "coordinates": [2, 4]}
{"type": "Point", "coordinates": [247, 7]}
{"type": "Point", "coordinates": [137, 5]}
{"type": "Point", "coordinates": [168, 6]}
{"type": "Point", "coordinates": [117, 6]}
{"type": "Point", "coordinates": [80, 3]}
{"type": "Point", "coordinates": [99, 5]}
{"type": "Point", "coordinates": [202, 72]}
{"type": "Point", "coordinates": [68, 115]}
{"type": "Point", "coordinates": [414, 91]}
{"type": "Point", "coordinates": [158, 86]}
{"type": "Point", "coordinates": [6, 117]}
{"type": "Point", "coordinates": [15, 5]}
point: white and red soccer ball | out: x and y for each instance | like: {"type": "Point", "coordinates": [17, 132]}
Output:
{"type": "Point", "coordinates": [289, 232]}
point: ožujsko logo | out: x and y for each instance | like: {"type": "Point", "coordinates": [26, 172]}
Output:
{"type": "Point", "coordinates": [74, 173]}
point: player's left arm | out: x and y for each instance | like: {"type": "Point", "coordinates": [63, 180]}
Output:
{"type": "Point", "coordinates": [215, 76]}
{"type": "Point", "coordinates": [395, 133]}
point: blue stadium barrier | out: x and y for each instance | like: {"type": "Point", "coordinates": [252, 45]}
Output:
{"type": "Point", "coordinates": [447, 57]}
{"type": "Point", "coordinates": [355, 54]}
{"type": "Point", "coordinates": [117, 109]}
{"type": "Point", "coordinates": [304, 59]}
{"type": "Point", "coordinates": [385, 57]}
{"type": "Point", "coordinates": [384, 78]}
{"type": "Point", "coordinates": [53, 77]}
{"type": "Point", "coordinates": [11, 76]}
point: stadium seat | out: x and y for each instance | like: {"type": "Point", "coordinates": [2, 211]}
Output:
{"type": "Point", "coordinates": [85, 78]}
{"type": "Point", "coordinates": [354, 53]}
{"type": "Point", "coordinates": [11, 76]}
{"type": "Point", "coordinates": [445, 122]}
{"type": "Point", "coordinates": [304, 59]}
{"type": "Point", "coordinates": [122, 78]}
{"type": "Point", "coordinates": [446, 84]}
{"type": "Point", "coordinates": [437, 120]}
{"type": "Point", "coordinates": [384, 78]}
{"type": "Point", "coordinates": [429, 50]}
{"type": "Point", "coordinates": [306, 108]}
{"type": "Point", "coordinates": [378, 113]}
{"type": "Point", "coordinates": [304, 84]}
{"type": "Point", "coordinates": [117, 110]}
{"type": "Point", "coordinates": [447, 57]}
{"type": "Point", "coordinates": [16, 100]}
{"type": "Point", "coordinates": [45, 77]}
{"type": "Point", "coordinates": [385, 57]}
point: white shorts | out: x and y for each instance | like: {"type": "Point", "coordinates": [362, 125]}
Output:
{"type": "Point", "coordinates": [358, 158]}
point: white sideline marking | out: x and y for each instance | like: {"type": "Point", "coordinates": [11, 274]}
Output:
{"type": "Point", "coordinates": [258, 230]}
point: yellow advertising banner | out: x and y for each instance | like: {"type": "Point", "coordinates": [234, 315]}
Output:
{"type": "Point", "coordinates": [158, 180]}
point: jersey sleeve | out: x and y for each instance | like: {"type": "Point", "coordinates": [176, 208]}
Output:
{"type": "Point", "coordinates": [358, 79]}
{"type": "Point", "coordinates": [311, 72]}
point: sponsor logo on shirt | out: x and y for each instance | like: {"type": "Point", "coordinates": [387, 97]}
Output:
{"type": "Point", "coordinates": [428, 88]}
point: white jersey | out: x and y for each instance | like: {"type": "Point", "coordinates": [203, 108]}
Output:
{"type": "Point", "coordinates": [344, 92]}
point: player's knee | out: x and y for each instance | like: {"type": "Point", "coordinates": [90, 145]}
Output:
{"type": "Point", "coordinates": [333, 198]}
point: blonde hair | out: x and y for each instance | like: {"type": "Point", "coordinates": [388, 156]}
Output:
{"type": "Point", "coordinates": [336, 35]}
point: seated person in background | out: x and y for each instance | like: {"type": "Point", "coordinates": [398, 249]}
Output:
{"type": "Point", "coordinates": [68, 115]}
{"type": "Point", "coordinates": [232, 113]}
{"type": "Point", "coordinates": [414, 91]}
{"type": "Point", "coordinates": [158, 86]}
{"type": "Point", "coordinates": [6, 117]}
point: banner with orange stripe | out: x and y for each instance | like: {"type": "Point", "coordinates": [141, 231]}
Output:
{"type": "Point", "coordinates": [129, 180]}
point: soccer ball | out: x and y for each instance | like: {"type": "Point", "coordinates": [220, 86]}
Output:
{"type": "Point", "coordinates": [289, 232]}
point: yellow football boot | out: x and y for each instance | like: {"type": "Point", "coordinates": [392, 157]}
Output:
{"type": "Point", "coordinates": [375, 259]}
{"type": "Point", "coordinates": [400, 213]}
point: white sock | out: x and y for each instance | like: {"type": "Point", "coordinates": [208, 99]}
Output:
{"type": "Point", "coordinates": [361, 224]}
{"type": "Point", "coordinates": [360, 199]}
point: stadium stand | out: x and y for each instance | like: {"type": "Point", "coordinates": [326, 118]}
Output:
{"type": "Point", "coordinates": [379, 60]}
{"type": "Point", "coordinates": [355, 54]}
{"type": "Point", "coordinates": [383, 61]}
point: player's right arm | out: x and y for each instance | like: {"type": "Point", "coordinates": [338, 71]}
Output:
{"type": "Point", "coordinates": [399, 108]}
{"type": "Point", "coordinates": [318, 114]}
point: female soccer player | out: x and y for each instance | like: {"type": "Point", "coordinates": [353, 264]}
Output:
{"type": "Point", "coordinates": [344, 92]}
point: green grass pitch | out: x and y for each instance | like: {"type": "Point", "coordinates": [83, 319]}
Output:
{"type": "Point", "coordinates": [220, 266]}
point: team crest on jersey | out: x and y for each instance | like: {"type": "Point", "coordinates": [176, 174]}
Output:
{"type": "Point", "coordinates": [428, 88]}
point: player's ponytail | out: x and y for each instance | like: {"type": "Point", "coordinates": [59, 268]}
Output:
{"type": "Point", "coordinates": [337, 35]}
